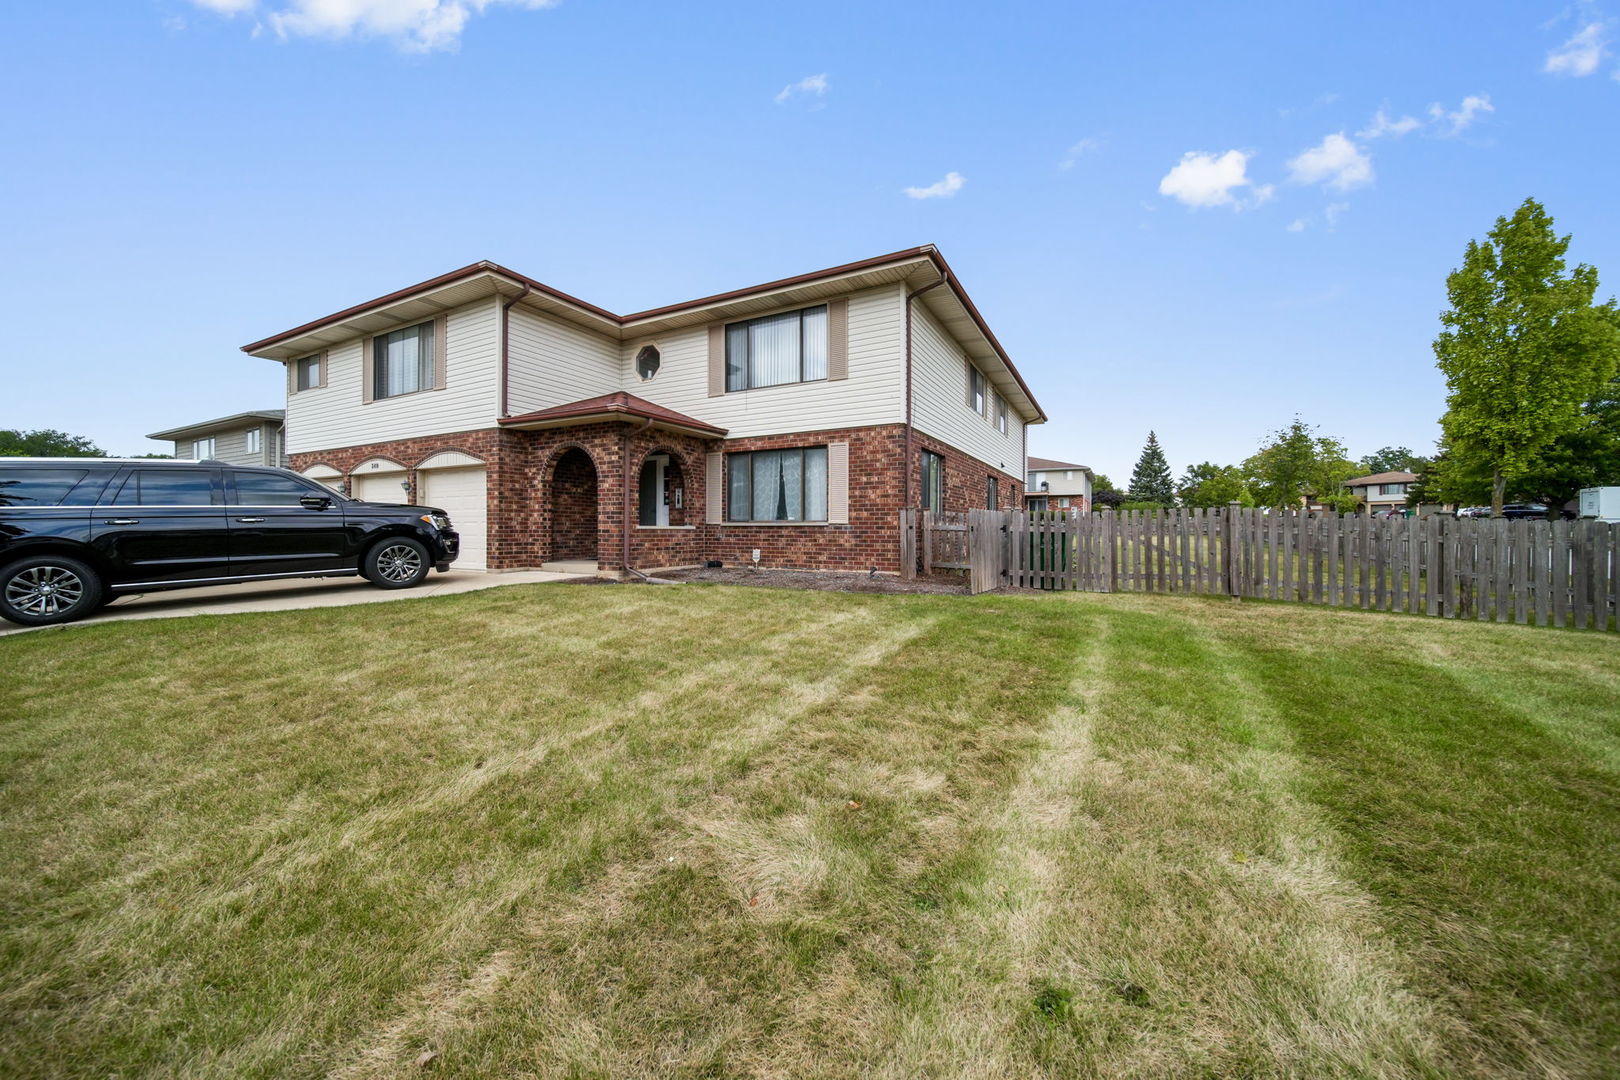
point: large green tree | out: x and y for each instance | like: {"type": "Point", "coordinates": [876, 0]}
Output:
{"type": "Point", "coordinates": [1151, 481]}
{"type": "Point", "coordinates": [1208, 484]}
{"type": "Point", "coordinates": [46, 442]}
{"type": "Point", "coordinates": [1299, 466]}
{"type": "Point", "coordinates": [1390, 459]}
{"type": "Point", "coordinates": [1523, 349]}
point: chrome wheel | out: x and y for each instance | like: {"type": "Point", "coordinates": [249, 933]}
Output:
{"type": "Point", "coordinates": [398, 562]}
{"type": "Point", "coordinates": [43, 591]}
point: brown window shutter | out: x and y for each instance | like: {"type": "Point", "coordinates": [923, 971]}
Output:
{"type": "Point", "coordinates": [717, 360]}
{"type": "Point", "coordinates": [292, 377]}
{"type": "Point", "coordinates": [838, 339]}
{"type": "Point", "coordinates": [838, 483]}
{"type": "Point", "coordinates": [324, 355]}
{"type": "Point", "coordinates": [441, 349]}
{"type": "Point", "coordinates": [368, 380]}
{"type": "Point", "coordinates": [714, 487]}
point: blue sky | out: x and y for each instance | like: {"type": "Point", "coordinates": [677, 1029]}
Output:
{"type": "Point", "coordinates": [1186, 217]}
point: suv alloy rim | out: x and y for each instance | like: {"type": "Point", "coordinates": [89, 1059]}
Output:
{"type": "Point", "coordinates": [44, 590]}
{"type": "Point", "coordinates": [398, 562]}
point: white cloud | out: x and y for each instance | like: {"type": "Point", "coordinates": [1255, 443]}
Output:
{"type": "Point", "coordinates": [1078, 151]}
{"type": "Point", "coordinates": [811, 84]}
{"type": "Point", "coordinates": [1297, 225]}
{"type": "Point", "coordinates": [1337, 162]}
{"type": "Point", "coordinates": [1333, 212]}
{"type": "Point", "coordinates": [414, 25]}
{"type": "Point", "coordinates": [1463, 118]}
{"type": "Point", "coordinates": [1205, 179]}
{"type": "Point", "coordinates": [1381, 124]}
{"type": "Point", "coordinates": [1581, 54]}
{"type": "Point", "coordinates": [942, 189]}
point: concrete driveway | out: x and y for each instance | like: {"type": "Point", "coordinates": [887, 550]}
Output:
{"type": "Point", "coordinates": [289, 595]}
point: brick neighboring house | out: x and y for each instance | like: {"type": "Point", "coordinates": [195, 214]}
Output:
{"type": "Point", "coordinates": [795, 418]}
{"type": "Point", "coordinates": [1381, 491]}
{"type": "Point", "coordinates": [248, 438]}
{"type": "Point", "coordinates": [1058, 485]}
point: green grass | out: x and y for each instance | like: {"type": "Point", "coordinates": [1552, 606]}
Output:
{"type": "Point", "coordinates": [713, 832]}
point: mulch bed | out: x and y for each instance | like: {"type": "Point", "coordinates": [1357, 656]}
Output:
{"type": "Point", "coordinates": [822, 580]}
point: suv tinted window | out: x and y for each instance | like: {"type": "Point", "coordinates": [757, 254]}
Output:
{"type": "Point", "coordinates": [167, 487]}
{"type": "Point", "coordinates": [268, 489]}
{"type": "Point", "coordinates": [38, 487]}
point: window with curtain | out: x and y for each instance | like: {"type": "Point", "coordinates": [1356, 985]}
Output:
{"type": "Point", "coordinates": [777, 349]}
{"type": "Point", "coordinates": [402, 362]}
{"type": "Point", "coordinates": [933, 481]}
{"type": "Point", "coordinates": [976, 391]}
{"type": "Point", "coordinates": [777, 485]}
{"type": "Point", "coordinates": [990, 501]}
{"type": "Point", "coordinates": [1001, 414]}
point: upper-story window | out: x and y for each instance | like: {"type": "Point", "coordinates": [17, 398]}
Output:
{"type": "Point", "coordinates": [1392, 489]}
{"type": "Point", "coordinates": [976, 391]}
{"type": "Point", "coordinates": [647, 361]}
{"type": "Point", "coordinates": [202, 449]}
{"type": "Point", "coordinates": [1001, 414]}
{"type": "Point", "coordinates": [777, 349]}
{"type": "Point", "coordinates": [307, 372]}
{"type": "Point", "coordinates": [403, 361]}
{"type": "Point", "coordinates": [250, 440]}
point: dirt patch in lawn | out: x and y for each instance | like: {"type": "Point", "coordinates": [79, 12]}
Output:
{"type": "Point", "coordinates": [821, 580]}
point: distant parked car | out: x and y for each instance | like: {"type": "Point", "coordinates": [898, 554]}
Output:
{"type": "Point", "coordinates": [1390, 512]}
{"type": "Point", "coordinates": [1524, 510]}
{"type": "Point", "coordinates": [1473, 511]}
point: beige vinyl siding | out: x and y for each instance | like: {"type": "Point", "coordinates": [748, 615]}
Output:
{"type": "Point", "coordinates": [938, 394]}
{"type": "Point", "coordinates": [334, 415]}
{"type": "Point", "coordinates": [874, 392]}
{"type": "Point", "coordinates": [551, 362]}
{"type": "Point", "coordinates": [231, 446]}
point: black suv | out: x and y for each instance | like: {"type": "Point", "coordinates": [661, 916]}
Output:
{"type": "Point", "coordinates": [76, 532]}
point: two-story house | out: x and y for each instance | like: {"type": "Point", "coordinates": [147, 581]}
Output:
{"type": "Point", "coordinates": [1058, 485]}
{"type": "Point", "coordinates": [1382, 491]}
{"type": "Point", "coordinates": [793, 419]}
{"type": "Point", "coordinates": [248, 438]}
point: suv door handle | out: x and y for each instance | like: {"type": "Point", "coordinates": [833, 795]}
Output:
{"type": "Point", "coordinates": [250, 521]}
{"type": "Point", "coordinates": [122, 521]}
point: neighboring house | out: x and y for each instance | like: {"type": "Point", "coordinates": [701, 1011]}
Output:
{"type": "Point", "coordinates": [1381, 491]}
{"type": "Point", "coordinates": [1058, 485]}
{"type": "Point", "coordinates": [249, 438]}
{"type": "Point", "coordinates": [793, 418]}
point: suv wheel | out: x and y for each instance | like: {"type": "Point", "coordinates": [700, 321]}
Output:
{"type": "Point", "coordinates": [46, 589]}
{"type": "Point", "coordinates": [397, 563]}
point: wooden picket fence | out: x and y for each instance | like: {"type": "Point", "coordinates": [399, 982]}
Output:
{"type": "Point", "coordinates": [1550, 573]}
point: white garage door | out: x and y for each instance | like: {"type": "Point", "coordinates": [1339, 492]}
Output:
{"type": "Point", "coordinates": [460, 493]}
{"type": "Point", "coordinates": [381, 487]}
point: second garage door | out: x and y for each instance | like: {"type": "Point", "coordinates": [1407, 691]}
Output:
{"type": "Point", "coordinates": [460, 493]}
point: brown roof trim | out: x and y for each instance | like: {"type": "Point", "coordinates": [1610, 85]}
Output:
{"type": "Point", "coordinates": [471, 270]}
{"type": "Point", "coordinates": [927, 251]}
{"type": "Point", "coordinates": [615, 405]}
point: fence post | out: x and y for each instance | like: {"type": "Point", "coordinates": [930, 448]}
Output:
{"type": "Point", "coordinates": [1228, 559]}
{"type": "Point", "coordinates": [1110, 567]}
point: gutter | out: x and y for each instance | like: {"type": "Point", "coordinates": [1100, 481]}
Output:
{"type": "Point", "coordinates": [506, 309]}
{"type": "Point", "coordinates": [905, 457]}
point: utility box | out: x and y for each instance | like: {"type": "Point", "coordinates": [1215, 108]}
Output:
{"type": "Point", "coordinates": [1602, 503]}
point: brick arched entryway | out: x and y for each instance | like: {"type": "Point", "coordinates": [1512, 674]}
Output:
{"type": "Point", "coordinates": [572, 491]}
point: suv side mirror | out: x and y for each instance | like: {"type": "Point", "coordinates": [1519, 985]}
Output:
{"type": "Point", "coordinates": [315, 502]}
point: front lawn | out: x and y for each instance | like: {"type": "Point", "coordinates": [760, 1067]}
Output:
{"type": "Point", "coordinates": [706, 831]}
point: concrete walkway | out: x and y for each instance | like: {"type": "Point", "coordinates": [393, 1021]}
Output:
{"type": "Point", "coordinates": [290, 595]}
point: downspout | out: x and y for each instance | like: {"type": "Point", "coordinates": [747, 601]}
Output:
{"type": "Point", "coordinates": [506, 309]}
{"type": "Point", "coordinates": [905, 457]}
{"type": "Point", "coordinates": [624, 484]}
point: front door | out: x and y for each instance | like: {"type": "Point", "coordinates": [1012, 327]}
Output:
{"type": "Point", "coordinates": [163, 525]}
{"type": "Point", "coordinates": [273, 532]}
{"type": "Point", "coordinates": [654, 504]}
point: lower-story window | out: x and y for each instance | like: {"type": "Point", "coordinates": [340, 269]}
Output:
{"type": "Point", "coordinates": [777, 485]}
{"type": "Point", "coordinates": [990, 500]}
{"type": "Point", "coordinates": [933, 481]}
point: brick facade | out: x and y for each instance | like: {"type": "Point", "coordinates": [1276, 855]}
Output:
{"type": "Point", "coordinates": [546, 488]}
